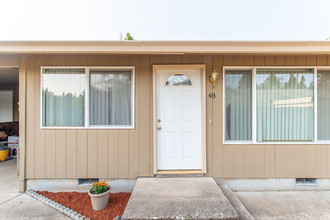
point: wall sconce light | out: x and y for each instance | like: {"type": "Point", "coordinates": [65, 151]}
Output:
{"type": "Point", "coordinates": [214, 77]}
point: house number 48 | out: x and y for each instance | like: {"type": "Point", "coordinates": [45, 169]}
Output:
{"type": "Point", "coordinates": [212, 95]}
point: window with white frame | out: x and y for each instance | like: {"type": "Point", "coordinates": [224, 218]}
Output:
{"type": "Point", "coordinates": [87, 97]}
{"type": "Point", "coordinates": [323, 110]}
{"type": "Point", "coordinates": [238, 105]}
{"type": "Point", "coordinates": [265, 105]}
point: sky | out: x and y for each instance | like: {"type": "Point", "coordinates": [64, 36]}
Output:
{"type": "Point", "coordinates": [251, 20]}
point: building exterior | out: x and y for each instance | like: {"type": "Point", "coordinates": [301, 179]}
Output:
{"type": "Point", "coordinates": [122, 110]}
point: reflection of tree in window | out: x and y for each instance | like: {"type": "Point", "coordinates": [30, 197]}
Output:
{"type": "Point", "coordinates": [323, 101]}
{"type": "Point", "coordinates": [285, 105]}
{"type": "Point", "coordinates": [66, 109]}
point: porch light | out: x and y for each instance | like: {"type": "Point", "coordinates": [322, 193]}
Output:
{"type": "Point", "coordinates": [214, 77]}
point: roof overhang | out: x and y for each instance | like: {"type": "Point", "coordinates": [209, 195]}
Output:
{"type": "Point", "coordinates": [165, 47]}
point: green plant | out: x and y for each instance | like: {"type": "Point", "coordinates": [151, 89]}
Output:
{"type": "Point", "coordinates": [129, 37]}
{"type": "Point", "coordinates": [99, 187]}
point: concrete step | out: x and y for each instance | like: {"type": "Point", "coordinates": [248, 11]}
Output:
{"type": "Point", "coordinates": [178, 198]}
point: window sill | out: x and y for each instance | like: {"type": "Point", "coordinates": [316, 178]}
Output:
{"type": "Point", "coordinates": [89, 128]}
{"type": "Point", "coordinates": [275, 143]}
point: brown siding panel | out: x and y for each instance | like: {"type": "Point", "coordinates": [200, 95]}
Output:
{"type": "Point", "coordinates": [134, 134]}
{"type": "Point", "coordinates": [71, 154]}
{"type": "Point", "coordinates": [102, 154]}
{"type": "Point", "coordinates": [82, 154]}
{"type": "Point", "coordinates": [144, 114]}
{"type": "Point", "coordinates": [30, 126]}
{"type": "Point", "coordinates": [60, 145]}
{"type": "Point", "coordinates": [112, 153]}
{"type": "Point", "coordinates": [207, 60]}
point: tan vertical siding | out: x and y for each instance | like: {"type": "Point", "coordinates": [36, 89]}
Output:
{"type": "Point", "coordinates": [145, 84]}
{"type": "Point", "coordinates": [216, 117]}
{"type": "Point", "coordinates": [207, 60]}
{"type": "Point", "coordinates": [30, 138]}
{"type": "Point", "coordinates": [135, 134]}
{"type": "Point", "coordinates": [117, 153]}
{"type": "Point", "coordinates": [269, 161]}
{"type": "Point", "coordinates": [113, 150]}
{"type": "Point", "coordinates": [61, 155]}
{"type": "Point", "coordinates": [82, 154]}
{"type": "Point", "coordinates": [39, 135]}
{"type": "Point", "coordinates": [71, 154]}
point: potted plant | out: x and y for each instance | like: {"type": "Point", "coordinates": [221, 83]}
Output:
{"type": "Point", "coordinates": [99, 193]}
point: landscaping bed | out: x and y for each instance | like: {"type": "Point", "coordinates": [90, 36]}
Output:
{"type": "Point", "coordinates": [81, 203]}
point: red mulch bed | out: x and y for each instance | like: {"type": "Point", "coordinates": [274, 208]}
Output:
{"type": "Point", "coordinates": [81, 203]}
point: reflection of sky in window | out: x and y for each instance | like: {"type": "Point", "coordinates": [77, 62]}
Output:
{"type": "Point", "coordinates": [64, 83]}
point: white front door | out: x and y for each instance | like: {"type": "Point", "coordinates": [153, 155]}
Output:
{"type": "Point", "coordinates": [179, 119]}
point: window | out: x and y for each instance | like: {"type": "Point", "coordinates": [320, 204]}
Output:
{"type": "Point", "coordinates": [110, 98]}
{"type": "Point", "coordinates": [178, 80]}
{"type": "Point", "coordinates": [88, 97]}
{"type": "Point", "coordinates": [285, 105]}
{"type": "Point", "coordinates": [63, 97]}
{"type": "Point", "coordinates": [323, 91]}
{"type": "Point", "coordinates": [238, 105]}
{"type": "Point", "coordinates": [276, 104]}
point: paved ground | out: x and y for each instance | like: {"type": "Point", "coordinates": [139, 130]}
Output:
{"type": "Point", "coordinates": [287, 204]}
{"type": "Point", "coordinates": [8, 180]}
{"type": "Point", "coordinates": [26, 207]}
{"type": "Point", "coordinates": [178, 198]}
{"type": "Point", "coordinates": [14, 205]}
{"type": "Point", "coordinates": [188, 203]}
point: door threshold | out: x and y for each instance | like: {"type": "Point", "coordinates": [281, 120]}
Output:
{"type": "Point", "coordinates": [179, 173]}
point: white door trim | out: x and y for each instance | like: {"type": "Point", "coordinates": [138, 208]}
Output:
{"type": "Point", "coordinates": [201, 67]}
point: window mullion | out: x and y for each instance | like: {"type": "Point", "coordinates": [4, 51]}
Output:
{"type": "Point", "coordinates": [87, 99]}
{"type": "Point", "coordinates": [254, 106]}
{"type": "Point", "coordinates": [315, 106]}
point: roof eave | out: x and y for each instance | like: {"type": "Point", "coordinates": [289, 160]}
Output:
{"type": "Point", "coordinates": [166, 47]}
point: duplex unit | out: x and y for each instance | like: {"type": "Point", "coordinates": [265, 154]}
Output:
{"type": "Point", "coordinates": [127, 109]}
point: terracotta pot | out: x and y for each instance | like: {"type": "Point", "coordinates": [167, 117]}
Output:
{"type": "Point", "coordinates": [100, 201]}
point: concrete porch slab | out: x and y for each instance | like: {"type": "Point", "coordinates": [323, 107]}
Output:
{"type": "Point", "coordinates": [178, 198]}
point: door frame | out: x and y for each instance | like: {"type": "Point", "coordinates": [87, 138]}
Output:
{"type": "Point", "coordinates": [202, 68]}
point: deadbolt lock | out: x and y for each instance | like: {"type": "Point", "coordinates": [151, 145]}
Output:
{"type": "Point", "coordinates": [159, 120]}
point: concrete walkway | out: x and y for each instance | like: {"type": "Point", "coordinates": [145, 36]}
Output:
{"type": "Point", "coordinates": [8, 180]}
{"type": "Point", "coordinates": [287, 204]}
{"type": "Point", "coordinates": [26, 207]}
{"type": "Point", "coordinates": [14, 205]}
{"type": "Point", "coordinates": [178, 198]}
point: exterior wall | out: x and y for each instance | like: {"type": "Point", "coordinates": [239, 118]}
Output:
{"type": "Point", "coordinates": [106, 153]}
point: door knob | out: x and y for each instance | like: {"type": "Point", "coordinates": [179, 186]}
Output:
{"type": "Point", "coordinates": [159, 128]}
